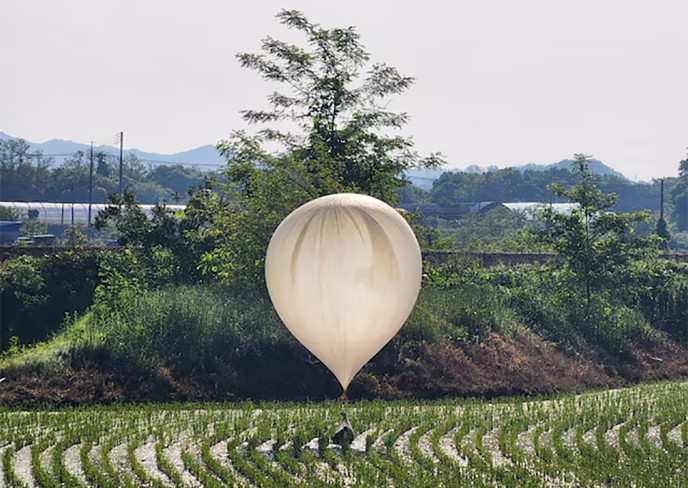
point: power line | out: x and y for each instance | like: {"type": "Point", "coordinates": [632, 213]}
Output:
{"type": "Point", "coordinates": [412, 177]}
{"type": "Point", "coordinates": [158, 161]}
{"type": "Point", "coordinates": [143, 160]}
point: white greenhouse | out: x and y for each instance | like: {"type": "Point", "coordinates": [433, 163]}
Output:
{"type": "Point", "coordinates": [69, 213]}
{"type": "Point", "coordinates": [530, 208]}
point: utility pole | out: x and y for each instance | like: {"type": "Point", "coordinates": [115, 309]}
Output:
{"type": "Point", "coordinates": [121, 143]}
{"type": "Point", "coordinates": [90, 187]}
{"type": "Point", "coordinates": [661, 199]}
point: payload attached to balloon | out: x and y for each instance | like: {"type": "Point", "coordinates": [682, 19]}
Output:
{"type": "Point", "coordinates": [343, 272]}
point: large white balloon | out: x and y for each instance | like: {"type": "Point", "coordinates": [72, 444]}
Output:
{"type": "Point", "coordinates": [343, 272]}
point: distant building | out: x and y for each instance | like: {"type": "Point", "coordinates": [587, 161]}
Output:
{"type": "Point", "coordinates": [458, 211]}
{"type": "Point", "coordinates": [482, 207]}
{"type": "Point", "coordinates": [64, 214]}
{"type": "Point", "coordinates": [452, 213]}
{"type": "Point", "coordinates": [9, 232]}
{"type": "Point", "coordinates": [530, 208]}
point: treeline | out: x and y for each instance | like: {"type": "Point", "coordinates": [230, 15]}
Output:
{"type": "Point", "coordinates": [503, 230]}
{"type": "Point", "coordinates": [512, 185]}
{"type": "Point", "coordinates": [27, 175]}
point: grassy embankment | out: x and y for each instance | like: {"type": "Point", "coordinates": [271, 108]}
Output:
{"type": "Point", "coordinates": [474, 331]}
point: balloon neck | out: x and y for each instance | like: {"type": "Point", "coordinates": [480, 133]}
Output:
{"type": "Point", "coordinates": [342, 397]}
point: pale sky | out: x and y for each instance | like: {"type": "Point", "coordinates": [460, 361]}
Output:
{"type": "Point", "coordinates": [498, 82]}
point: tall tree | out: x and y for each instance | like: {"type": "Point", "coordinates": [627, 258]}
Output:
{"type": "Point", "coordinates": [23, 174]}
{"type": "Point", "coordinates": [338, 108]}
{"type": "Point", "coordinates": [171, 244]}
{"type": "Point", "coordinates": [593, 241]}
{"type": "Point", "coordinates": [335, 97]}
{"type": "Point", "coordinates": [680, 197]}
{"type": "Point", "coordinates": [71, 178]}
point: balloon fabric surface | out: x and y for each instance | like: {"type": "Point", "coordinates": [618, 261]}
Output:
{"type": "Point", "coordinates": [343, 272]}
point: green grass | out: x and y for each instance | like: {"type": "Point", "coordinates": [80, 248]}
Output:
{"type": "Point", "coordinates": [78, 340]}
{"type": "Point", "coordinates": [629, 437]}
{"type": "Point", "coordinates": [181, 327]}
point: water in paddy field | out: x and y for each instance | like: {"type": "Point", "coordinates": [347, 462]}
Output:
{"type": "Point", "coordinates": [628, 437]}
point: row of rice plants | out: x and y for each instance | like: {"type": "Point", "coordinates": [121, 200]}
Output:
{"type": "Point", "coordinates": [630, 437]}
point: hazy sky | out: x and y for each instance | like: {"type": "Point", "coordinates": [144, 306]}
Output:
{"type": "Point", "coordinates": [499, 82]}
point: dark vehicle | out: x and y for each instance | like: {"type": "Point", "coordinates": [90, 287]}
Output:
{"type": "Point", "coordinates": [9, 231]}
{"type": "Point", "coordinates": [23, 241]}
{"type": "Point", "coordinates": [44, 240]}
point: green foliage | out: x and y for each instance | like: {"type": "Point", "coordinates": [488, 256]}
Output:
{"type": "Point", "coordinates": [132, 224]}
{"type": "Point", "coordinates": [512, 185]}
{"type": "Point", "coordinates": [30, 176]}
{"type": "Point", "coordinates": [423, 324]}
{"type": "Point", "coordinates": [595, 243]}
{"type": "Point", "coordinates": [659, 291]}
{"type": "Point", "coordinates": [22, 171]}
{"type": "Point", "coordinates": [170, 245]}
{"type": "Point", "coordinates": [224, 340]}
{"type": "Point", "coordinates": [411, 193]}
{"type": "Point", "coordinates": [263, 190]}
{"type": "Point", "coordinates": [199, 328]}
{"type": "Point", "coordinates": [679, 196]}
{"type": "Point", "coordinates": [176, 178]}
{"type": "Point", "coordinates": [32, 227]}
{"type": "Point", "coordinates": [37, 293]}
{"type": "Point", "coordinates": [506, 185]}
{"type": "Point", "coordinates": [73, 237]}
{"type": "Point", "coordinates": [429, 237]}
{"type": "Point", "coordinates": [340, 147]}
{"type": "Point", "coordinates": [502, 230]}
{"type": "Point", "coordinates": [462, 298]}
{"type": "Point", "coordinates": [497, 229]}
{"type": "Point", "coordinates": [120, 275]}
{"type": "Point", "coordinates": [336, 107]}
{"type": "Point", "coordinates": [8, 214]}
{"type": "Point", "coordinates": [77, 345]}
{"type": "Point", "coordinates": [626, 437]}
{"type": "Point", "coordinates": [662, 232]}
{"type": "Point", "coordinates": [679, 241]}
{"type": "Point", "coordinates": [22, 292]}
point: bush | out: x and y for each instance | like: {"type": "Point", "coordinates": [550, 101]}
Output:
{"type": "Point", "coordinates": [37, 293]}
{"type": "Point", "coordinates": [423, 324]}
{"type": "Point", "coordinates": [466, 301]}
{"type": "Point", "coordinates": [658, 289]}
{"type": "Point", "coordinates": [186, 327]}
{"type": "Point", "coordinates": [537, 294]}
{"type": "Point", "coordinates": [550, 303]}
{"type": "Point", "coordinates": [469, 302]}
{"type": "Point", "coordinates": [228, 341]}
{"type": "Point", "coordinates": [22, 294]}
{"type": "Point", "coordinates": [613, 325]}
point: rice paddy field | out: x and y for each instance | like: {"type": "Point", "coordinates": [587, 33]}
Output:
{"type": "Point", "coordinates": [633, 437]}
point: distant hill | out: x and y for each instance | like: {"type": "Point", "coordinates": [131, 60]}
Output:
{"type": "Point", "coordinates": [596, 166]}
{"type": "Point", "coordinates": [208, 156]}
{"type": "Point", "coordinates": [60, 149]}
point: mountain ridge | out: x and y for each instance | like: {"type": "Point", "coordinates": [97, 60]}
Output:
{"type": "Point", "coordinates": [60, 149]}
{"type": "Point", "coordinates": [207, 155]}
